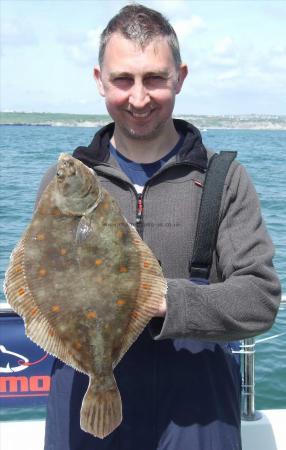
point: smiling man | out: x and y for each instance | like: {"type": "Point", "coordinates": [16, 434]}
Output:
{"type": "Point", "coordinates": [140, 83]}
{"type": "Point", "coordinates": [180, 381]}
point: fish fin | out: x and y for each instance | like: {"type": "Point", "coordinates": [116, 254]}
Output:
{"type": "Point", "coordinates": [101, 411]}
{"type": "Point", "coordinates": [152, 289]}
{"type": "Point", "coordinates": [20, 298]}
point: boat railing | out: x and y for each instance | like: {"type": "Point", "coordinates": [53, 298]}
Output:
{"type": "Point", "coordinates": [247, 352]}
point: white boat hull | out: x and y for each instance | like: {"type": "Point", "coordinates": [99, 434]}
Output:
{"type": "Point", "coordinates": [267, 433]}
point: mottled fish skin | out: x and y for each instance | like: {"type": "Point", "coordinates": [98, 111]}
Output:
{"type": "Point", "coordinates": [78, 277]}
{"type": "Point", "coordinates": [84, 267]}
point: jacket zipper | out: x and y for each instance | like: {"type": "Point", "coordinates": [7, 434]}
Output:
{"type": "Point", "coordinates": [139, 213]}
{"type": "Point", "coordinates": [139, 202]}
{"type": "Point", "coordinates": [139, 196]}
{"type": "Point", "coordinates": [139, 209]}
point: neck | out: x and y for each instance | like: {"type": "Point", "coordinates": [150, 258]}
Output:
{"type": "Point", "coordinates": [146, 150]}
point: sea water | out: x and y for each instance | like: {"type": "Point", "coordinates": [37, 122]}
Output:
{"type": "Point", "coordinates": [31, 143]}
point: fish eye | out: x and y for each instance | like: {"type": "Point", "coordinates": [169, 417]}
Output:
{"type": "Point", "coordinates": [68, 163]}
{"type": "Point", "coordinates": [60, 174]}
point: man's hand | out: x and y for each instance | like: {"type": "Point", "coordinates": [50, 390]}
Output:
{"type": "Point", "coordinates": [162, 309]}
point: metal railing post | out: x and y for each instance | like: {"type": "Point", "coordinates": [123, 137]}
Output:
{"type": "Point", "coordinates": [248, 411]}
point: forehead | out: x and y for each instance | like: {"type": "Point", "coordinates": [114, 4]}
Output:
{"type": "Point", "coordinates": [122, 54]}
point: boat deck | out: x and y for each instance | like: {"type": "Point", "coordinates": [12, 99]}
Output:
{"type": "Point", "coordinates": [268, 433]}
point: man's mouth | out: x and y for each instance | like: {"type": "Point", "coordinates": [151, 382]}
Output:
{"type": "Point", "coordinates": [141, 114]}
{"type": "Point", "coordinates": [145, 114]}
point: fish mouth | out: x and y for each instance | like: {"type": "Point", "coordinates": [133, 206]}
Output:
{"type": "Point", "coordinates": [66, 166]}
{"type": "Point", "coordinates": [60, 175]}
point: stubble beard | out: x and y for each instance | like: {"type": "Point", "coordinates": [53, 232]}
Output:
{"type": "Point", "coordinates": [130, 133]}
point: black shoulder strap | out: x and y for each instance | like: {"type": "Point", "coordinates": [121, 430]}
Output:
{"type": "Point", "coordinates": [208, 220]}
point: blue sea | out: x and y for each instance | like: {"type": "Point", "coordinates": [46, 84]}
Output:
{"type": "Point", "coordinates": [30, 143]}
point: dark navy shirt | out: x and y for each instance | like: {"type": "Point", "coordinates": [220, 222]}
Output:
{"type": "Point", "coordinates": [139, 173]}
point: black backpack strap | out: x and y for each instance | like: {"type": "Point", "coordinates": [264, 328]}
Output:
{"type": "Point", "coordinates": [208, 219]}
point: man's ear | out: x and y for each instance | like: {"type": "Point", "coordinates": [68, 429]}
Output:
{"type": "Point", "coordinates": [97, 77]}
{"type": "Point", "coordinates": [182, 73]}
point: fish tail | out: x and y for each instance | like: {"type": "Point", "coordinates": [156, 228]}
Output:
{"type": "Point", "coordinates": [101, 411]}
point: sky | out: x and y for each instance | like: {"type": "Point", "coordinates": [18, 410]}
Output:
{"type": "Point", "coordinates": [235, 51]}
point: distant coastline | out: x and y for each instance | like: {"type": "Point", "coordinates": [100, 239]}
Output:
{"type": "Point", "coordinates": [203, 122]}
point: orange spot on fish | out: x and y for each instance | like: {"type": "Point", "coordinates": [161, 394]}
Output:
{"type": "Point", "coordinates": [105, 205]}
{"type": "Point", "coordinates": [55, 212]}
{"type": "Point", "coordinates": [55, 308]}
{"type": "Point", "coordinates": [34, 311]}
{"type": "Point", "coordinates": [146, 264]}
{"type": "Point", "coordinates": [63, 251]}
{"type": "Point", "coordinates": [77, 345]}
{"type": "Point", "coordinates": [134, 315]}
{"type": "Point", "coordinates": [137, 241]}
{"type": "Point", "coordinates": [18, 269]}
{"type": "Point", "coordinates": [42, 272]}
{"type": "Point", "coordinates": [91, 314]}
{"type": "Point", "coordinates": [41, 237]}
{"type": "Point", "coordinates": [21, 291]}
{"type": "Point", "coordinates": [120, 302]}
{"type": "Point", "coordinates": [98, 262]}
{"type": "Point", "coordinates": [145, 285]}
{"type": "Point", "coordinates": [51, 333]}
{"type": "Point", "coordinates": [119, 234]}
{"type": "Point", "coordinates": [123, 269]}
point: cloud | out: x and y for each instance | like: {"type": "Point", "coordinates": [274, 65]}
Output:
{"type": "Point", "coordinates": [81, 48]}
{"type": "Point", "coordinates": [70, 37]}
{"type": "Point", "coordinates": [17, 34]}
{"type": "Point", "coordinates": [229, 75]}
{"type": "Point", "coordinates": [224, 47]}
{"type": "Point", "coordinates": [277, 58]}
{"type": "Point", "coordinates": [223, 62]}
{"type": "Point", "coordinates": [170, 8]}
{"type": "Point", "coordinates": [185, 27]}
{"type": "Point", "coordinates": [225, 53]}
{"type": "Point", "coordinates": [228, 65]}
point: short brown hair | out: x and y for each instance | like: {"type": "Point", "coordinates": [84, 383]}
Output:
{"type": "Point", "coordinates": [141, 25]}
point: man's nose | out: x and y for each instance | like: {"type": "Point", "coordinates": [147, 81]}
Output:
{"type": "Point", "coordinates": [139, 96]}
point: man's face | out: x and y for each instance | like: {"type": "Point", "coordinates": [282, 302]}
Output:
{"type": "Point", "coordinates": [139, 85]}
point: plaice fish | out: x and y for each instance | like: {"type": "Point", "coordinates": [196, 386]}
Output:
{"type": "Point", "coordinates": [86, 285]}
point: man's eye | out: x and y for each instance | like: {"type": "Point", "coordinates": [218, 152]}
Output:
{"type": "Point", "coordinates": [155, 81]}
{"type": "Point", "coordinates": [118, 79]}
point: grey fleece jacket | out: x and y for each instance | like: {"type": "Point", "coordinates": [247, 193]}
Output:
{"type": "Point", "coordinates": [244, 295]}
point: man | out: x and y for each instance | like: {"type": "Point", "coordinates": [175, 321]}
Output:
{"type": "Point", "coordinates": [179, 382]}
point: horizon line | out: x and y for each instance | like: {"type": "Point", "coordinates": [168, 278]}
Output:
{"type": "Point", "coordinates": [7, 111]}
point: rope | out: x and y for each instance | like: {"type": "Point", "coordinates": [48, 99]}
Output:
{"type": "Point", "coordinates": [270, 337]}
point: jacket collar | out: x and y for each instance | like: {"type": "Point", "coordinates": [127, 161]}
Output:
{"type": "Point", "coordinates": [192, 150]}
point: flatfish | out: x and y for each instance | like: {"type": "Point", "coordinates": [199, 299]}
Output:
{"type": "Point", "coordinates": [85, 284]}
